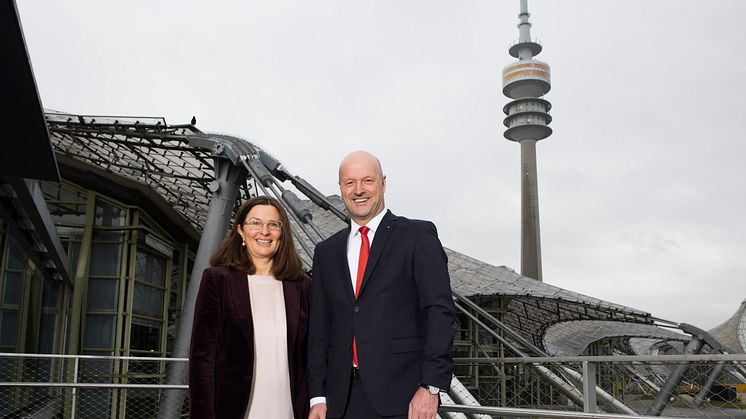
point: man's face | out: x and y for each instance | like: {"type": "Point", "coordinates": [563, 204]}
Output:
{"type": "Point", "coordinates": [362, 186]}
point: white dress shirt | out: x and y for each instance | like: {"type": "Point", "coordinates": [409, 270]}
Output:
{"type": "Point", "coordinates": [355, 240]}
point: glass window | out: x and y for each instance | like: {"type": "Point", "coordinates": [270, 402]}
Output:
{"type": "Point", "coordinates": [99, 331]}
{"type": "Point", "coordinates": [67, 213]}
{"type": "Point", "coordinates": [16, 256]}
{"type": "Point", "coordinates": [51, 296]}
{"type": "Point", "coordinates": [66, 205]}
{"type": "Point", "coordinates": [60, 192]}
{"type": "Point", "coordinates": [8, 328]}
{"type": "Point", "coordinates": [71, 238]}
{"type": "Point", "coordinates": [109, 215]}
{"type": "Point", "coordinates": [175, 280]}
{"type": "Point", "coordinates": [150, 268]}
{"type": "Point", "coordinates": [73, 255]}
{"type": "Point", "coordinates": [146, 335]}
{"type": "Point", "coordinates": [47, 332]}
{"type": "Point", "coordinates": [172, 300]}
{"type": "Point", "coordinates": [147, 301]}
{"type": "Point", "coordinates": [70, 233]}
{"type": "Point", "coordinates": [106, 253]}
{"type": "Point", "coordinates": [108, 236]}
{"type": "Point", "coordinates": [103, 294]}
{"type": "Point", "coordinates": [12, 288]}
{"type": "Point", "coordinates": [105, 259]}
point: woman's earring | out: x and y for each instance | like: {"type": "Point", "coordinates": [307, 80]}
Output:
{"type": "Point", "coordinates": [243, 243]}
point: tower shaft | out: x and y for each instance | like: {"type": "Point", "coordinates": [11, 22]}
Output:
{"type": "Point", "coordinates": [530, 234]}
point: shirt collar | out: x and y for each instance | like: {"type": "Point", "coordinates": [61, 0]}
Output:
{"type": "Point", "coordinates": [372, 224]}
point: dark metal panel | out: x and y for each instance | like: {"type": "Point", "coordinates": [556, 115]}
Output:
{"type": "Point", "coordinates": [25, 147]}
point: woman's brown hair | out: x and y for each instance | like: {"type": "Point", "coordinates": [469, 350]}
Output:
{"type": "Point", "coordinates": [286, 264]}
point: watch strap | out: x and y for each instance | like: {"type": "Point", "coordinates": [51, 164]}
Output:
{"type": "Point", "coordinates": [430, 389]}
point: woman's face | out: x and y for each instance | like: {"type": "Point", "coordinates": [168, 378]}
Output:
{"type": "Point", "coordinates": [261, 230]}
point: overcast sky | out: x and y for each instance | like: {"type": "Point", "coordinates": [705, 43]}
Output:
{"type": "Point", "coordinates": [641, 185]}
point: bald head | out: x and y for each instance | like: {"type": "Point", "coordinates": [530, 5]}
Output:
{"type": "Point", "coordinates": [362, 185]}
{"type": "Point", "coordinates": [360, 158]}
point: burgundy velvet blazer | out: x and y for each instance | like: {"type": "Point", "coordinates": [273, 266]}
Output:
{"type": "Point", "coordinates": [221, 358]}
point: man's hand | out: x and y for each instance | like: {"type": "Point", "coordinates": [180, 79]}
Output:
{"type": "Point", "coordinates": [318, 411]}
{"type": "Point", "coordinates": [423, 405]}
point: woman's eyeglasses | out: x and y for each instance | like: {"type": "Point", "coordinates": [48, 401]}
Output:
{"type": "Point", "coordinates": [257, 224]}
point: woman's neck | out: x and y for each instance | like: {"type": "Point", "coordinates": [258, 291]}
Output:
{"type": "Point", "coordinates": [263, 267]}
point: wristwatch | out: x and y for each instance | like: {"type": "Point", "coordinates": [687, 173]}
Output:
{"type": "Point", "coordinates": [430, 389]}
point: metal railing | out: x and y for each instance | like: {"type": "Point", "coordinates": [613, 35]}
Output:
{"type": "Point", "coordinates": [635, 381]}
{"type": "Point", "coordinates": [490, 412]}
{"type": "Point", "coordinates": [86, 386]}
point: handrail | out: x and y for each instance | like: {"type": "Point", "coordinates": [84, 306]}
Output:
{"type": "Point", "coordinates": [533, 413]}
{"type": "Point", "coordinates": [58, 356]}
{"type": "Point", "coordinates": [606, 358]}
{"type": "Point", "coordinates": [96, 385]}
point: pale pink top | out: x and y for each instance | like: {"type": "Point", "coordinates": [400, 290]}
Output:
{"type": "Point", "coordinates": [270, 390]}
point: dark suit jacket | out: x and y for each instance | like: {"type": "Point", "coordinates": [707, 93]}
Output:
{"type": "Point", "coordinates": [403, 319]}
{"type": "Point", "coordinates": [221, 360]}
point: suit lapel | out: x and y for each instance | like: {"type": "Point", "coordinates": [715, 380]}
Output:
{"type": "Point", "coordinates": [339, 253]}
{"type": "Point", "coordinates": [379, 242]}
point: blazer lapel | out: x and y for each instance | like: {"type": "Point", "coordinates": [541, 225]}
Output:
{"type": "Point", "coordinates": [238, 286]}
{"type": "Point", "coordinates": [379, 242]}
{"type": "Point", "coordinates": [291, 292]}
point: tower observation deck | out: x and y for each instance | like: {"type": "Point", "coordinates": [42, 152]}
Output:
{"type": "Point", "coordinates": [527, 121]}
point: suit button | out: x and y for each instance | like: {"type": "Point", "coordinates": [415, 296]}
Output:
{"type": "Point", "coordinates": [356, 309]}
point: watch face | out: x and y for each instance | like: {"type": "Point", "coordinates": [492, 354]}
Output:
{"type": "Point", "coordinates": [433, 390]}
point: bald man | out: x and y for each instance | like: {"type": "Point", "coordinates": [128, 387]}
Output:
{"type": "Point", "coordinates": [382, 315]}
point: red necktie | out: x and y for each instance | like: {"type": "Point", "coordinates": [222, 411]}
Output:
{"type": "Point", "coordinates": [361, 262]}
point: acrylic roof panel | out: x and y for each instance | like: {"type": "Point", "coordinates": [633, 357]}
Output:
{"type": "Point", "coordinates": [732, 332]}
{"type": "Point", "coordinates": [571, 338]}
{"type": "Point", "coordinates": [144, 150]}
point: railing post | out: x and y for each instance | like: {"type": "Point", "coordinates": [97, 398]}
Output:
{"type": "Point", "coordinates": [75, 389]}
{"type": "Point", "coordinates": [589, 387]}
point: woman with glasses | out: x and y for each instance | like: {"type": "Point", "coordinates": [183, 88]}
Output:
{"type": "Point", "coordinates": [248, 350]}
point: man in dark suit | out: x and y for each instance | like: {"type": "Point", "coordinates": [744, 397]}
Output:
{"type": "Point", "coordinates": [382, 315]}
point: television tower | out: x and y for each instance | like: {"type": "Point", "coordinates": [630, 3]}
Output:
{"type": "Point", "coordinates": [526, 81]}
